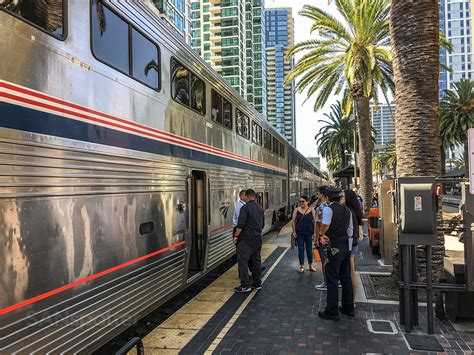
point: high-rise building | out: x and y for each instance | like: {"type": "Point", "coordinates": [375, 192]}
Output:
{"type": "Point", "coordinates": [455, 22]}
{"type": "Point", "coordinates": [227, 34]}
{"type": "Point", "coordinates": [259, 64]}
{"type": "Point", "coordinates": [279, 33]}
{"type": "Point", "coordinates": [382, 122]}
{"type": "Point", "coordinates": [176, 13]}
{"type": "Point", "coordinates": [316, 161]}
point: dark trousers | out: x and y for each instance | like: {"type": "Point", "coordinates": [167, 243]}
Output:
{"type": "Point", "coordinates": [246, 252]}
{"type": "Point", "coordinates": [339, 268]}
{"type": "Point", "coordinates": [250, 261]}
{"type": "Point", "coordinates": [305, 240]}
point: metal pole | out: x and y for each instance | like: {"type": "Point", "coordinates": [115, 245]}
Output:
{"type": "Point", "coordinates": [401, 294]}
{"type": "Point", "coordinates": [406, 288]}
{"type": "Point", "coordinates": [429, 289]}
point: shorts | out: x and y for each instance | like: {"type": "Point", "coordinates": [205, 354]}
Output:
{"type": "Point", "coordinates": [355, 250]}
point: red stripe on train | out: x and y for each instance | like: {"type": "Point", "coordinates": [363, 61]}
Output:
{"type": "Point", "coordinates": [86, 279]}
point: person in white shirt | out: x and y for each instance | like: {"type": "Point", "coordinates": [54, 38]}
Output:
{"type": "Point", "coordinates": [237, 206]}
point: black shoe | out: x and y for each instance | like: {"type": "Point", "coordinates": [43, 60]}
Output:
{"type": "Point", "coordinates": [324, 315]}
{"type": "Point", "coordinates": [257, 287]}
{"type": "Point", "coordinates": [349, 314]}
{"type": "Point", "coordinates": [263, 268]}
{"type": "Point", "coordinates": [242, 289]}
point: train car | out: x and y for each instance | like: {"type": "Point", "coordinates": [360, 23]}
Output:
{"type": "Point", "coordinates": [121, 156]}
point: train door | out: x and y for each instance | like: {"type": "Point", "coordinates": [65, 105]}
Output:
{"type": "Point", "coordinates": [198, 223]}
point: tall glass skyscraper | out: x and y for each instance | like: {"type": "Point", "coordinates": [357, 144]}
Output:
{"type": "Point", "coordinates": [177, 14]}
{"type": "Point", "coordinates": [227, 34]}
{"type": "Point", "coordinates": [455, 22]}
{"type": "Point", "coordinates": [279, 33]}
{"type": "Point", "coordinates": [382, 121]}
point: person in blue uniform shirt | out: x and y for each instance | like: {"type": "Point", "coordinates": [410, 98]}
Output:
{"type": "Point", "coordinates": [336, 227]}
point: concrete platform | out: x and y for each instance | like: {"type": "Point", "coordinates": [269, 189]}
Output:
{"type": "Point", "coordinates": [282, 317]}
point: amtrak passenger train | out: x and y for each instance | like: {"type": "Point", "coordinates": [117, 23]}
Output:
{"type": "Point", "coordinates": [121, 156]}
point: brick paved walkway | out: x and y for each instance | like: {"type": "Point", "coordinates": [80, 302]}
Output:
{"type": "Point", "coordinates": [283, 318]}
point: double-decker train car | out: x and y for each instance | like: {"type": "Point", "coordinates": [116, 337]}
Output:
{"type": "Point", "coordinates": [121, 156]}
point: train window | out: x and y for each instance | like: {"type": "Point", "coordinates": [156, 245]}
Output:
{"type": "Point", "coordinates": [275, 145]}
{"type": "Point", "coordinates": [110, 37]}
{"type": "Point", "coordinates": [259, 198]}
{"type": "Point", "coordinates": [227, 113]}
{"type": "Point", "coordinates": [48, 17]}
{"type": "Point", "coordinates": [267, 140]}
{"type": "Point", "coordinates": [284, 190]}
{"type": "Point", "coordinates": [242, 124]}
{"type": "Point", "coordinates": [256, 133]}
{"type": "Point", "coordinates": [198, 95]}
{"type": "Point", "coordinates": [216, 106]}
{"type": "Point", "coordinates": [266, 201]}
{"type": "Point", "coordinates": [179, 82]}
{"type": "Point", "coordinates": [221, 110]}
{"type": "Point", "coordinates": [282, 150]}
{"type": "Point", "coordinates": [145, 67]}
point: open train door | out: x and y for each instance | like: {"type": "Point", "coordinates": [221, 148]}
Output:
{"type": "Point", "coordinates": [198, 211]}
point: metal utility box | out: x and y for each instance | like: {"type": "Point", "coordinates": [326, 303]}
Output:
{"type": "Point", "coordinates": [388, 234]}
{"type": "Point", "coordinates": [417, 210]}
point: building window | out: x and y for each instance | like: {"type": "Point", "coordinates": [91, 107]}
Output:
{"type": "Point", "coordinates": [256, 133]}
{"type": "Point", "coordinates": [267, 140]}
{"type": "Point", "coordinates": [282, 150]}
{"type": "Point", "coordinates": [242, 124]}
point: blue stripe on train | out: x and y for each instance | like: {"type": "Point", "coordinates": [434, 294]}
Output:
{"type": "Point", "coordinates": [30, 120]}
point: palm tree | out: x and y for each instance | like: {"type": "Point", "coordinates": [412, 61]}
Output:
{"type": "Point", "coordinates": [336, 137]}
{"type": "Point", "coordinates": [414, 31]}
{"type": "Point", "coordinates": [386, 159]}
{"type": "Point", "coordinates": [457, 115]}
{"type": "Point", "coordinates": [349, 58]}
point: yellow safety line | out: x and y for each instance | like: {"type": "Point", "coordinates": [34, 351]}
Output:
{"type": "Point", "coordinates": [237, 314]}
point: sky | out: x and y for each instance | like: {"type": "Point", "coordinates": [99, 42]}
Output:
{"type": "Point", "coordinates": [307, 125]}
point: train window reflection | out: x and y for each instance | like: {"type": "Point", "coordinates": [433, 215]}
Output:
{"type": "Point", "coordinates": [49, 18]}
{"type": "Point", "coordinates": [256, 133]}
{"type": "Point", "coordinates": [275, 145]}
{"type": "Point", "coordinates": [180, 83]}
{"type": "Point", "coordinates": [145, 60]}
{"type": "Point", "coordinates": [198, 94]}
{"type": "Point", "coordinates": [227, 113]}
{"type": "Point", "coordinates": [282, 150]}
{"type": "Point", "coordinates": [267, 140]}
{"type": "Point", "coordinates": [242, 124]}
{"type": "Point", "coordinates": [109, 37]}
{"type": "Point", "coordinates": [216, 106]}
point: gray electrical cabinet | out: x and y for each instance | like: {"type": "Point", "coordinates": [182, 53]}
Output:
{"type": "Point", "coordinates": [417, 208]}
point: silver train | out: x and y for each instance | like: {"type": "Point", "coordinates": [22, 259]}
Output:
{"type": "Point", "coordinates": [121, 156]}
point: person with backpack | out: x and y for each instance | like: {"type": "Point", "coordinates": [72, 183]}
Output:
{"type": "Point", "coordinates": [304, 228]}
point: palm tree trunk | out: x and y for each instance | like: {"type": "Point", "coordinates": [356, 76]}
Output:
{"type": "Point", "coordinates": [443, 160]}
{"type": "Point", "coordinates": [414, 27]}
{"type": "Point", "coordinates": [365, 149]}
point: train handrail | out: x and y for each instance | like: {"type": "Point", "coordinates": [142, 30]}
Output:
{"type": "Point", "coordinates": [133, 342]}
